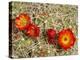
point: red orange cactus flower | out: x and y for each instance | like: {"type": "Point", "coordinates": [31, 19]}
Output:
{"type": "Point", "coordinates": [66, 39]}
{"type": "Point", "coordinates": [51, 33]}
{"type": "Point", "coordinates": [32, 30]}
{"type": "Point", "coordinates": [22, 21]}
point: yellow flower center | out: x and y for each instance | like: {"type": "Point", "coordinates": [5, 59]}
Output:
{"type": "Point", "coordinates": [23, 21]}
{"type": "Point", "coordinates": [65, 39]}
